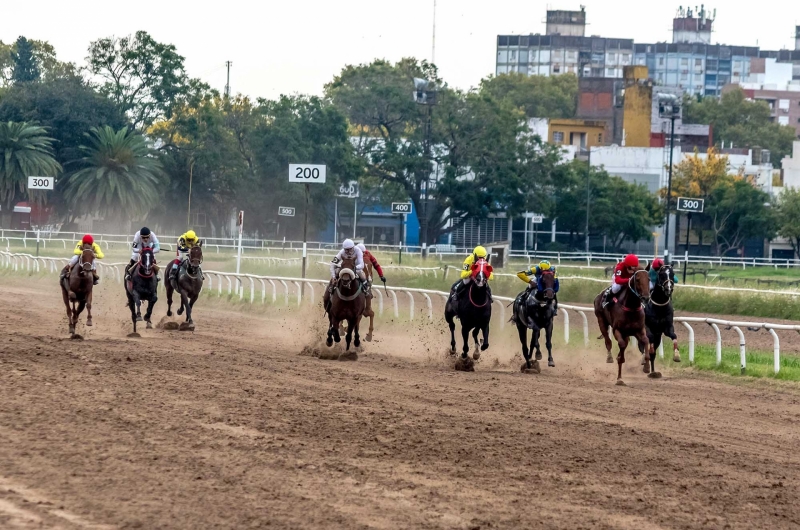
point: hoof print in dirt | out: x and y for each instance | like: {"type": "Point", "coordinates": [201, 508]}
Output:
{"type": "Point", "coordinates": [655, 375]}
{"type": "Point", "coordinates": [186, 326]}
{"type": "Point", "coordinates": [620, 382]}
{"type": "Point", "coordinates": [134, 336]}
{"type": "Point", "coordinates": [348, 356]}
{"type": "Point", "coordinates": [465, 365]}
{"type": "Point", "coordinates": [76, 336]}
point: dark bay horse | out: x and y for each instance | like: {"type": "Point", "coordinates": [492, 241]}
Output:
{"type": "Point", "coordinates": [626, 319]}
{"type": "Point", "coordinates": [76, 288]}
{"type": "Point", "coordinates": [143, 285]}
{"type": "Point", "coordinates": [536, 312]}
{"type": "Point", "coordinates": [345, 304]}
{"type": "Point", "coordinates": [658, 313]}
{"type": "Point", "coordinates": [474, 309]}
{"type": "Point", "coordinates": [188, 282]}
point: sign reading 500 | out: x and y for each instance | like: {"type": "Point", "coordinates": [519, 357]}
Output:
{"type": "Point", "coordinates": [307, 173]}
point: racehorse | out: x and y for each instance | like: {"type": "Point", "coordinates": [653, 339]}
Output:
{"type": "Point", "coordinates": [658, 313]}
{"type": "Point", "coordinates": [474, 310]}
{"type": "Point", "coordinates": [537, 313]}
{"type": "Point", "coordinates": [368, 312]}
{"type": "Point", "coordinates": [77, 288]}
{"type": "Point", "coordinates": [143, 285]}
{"type": "Point", "coordinates": [346, 303]}
{"type": "Point", "coordinates": [626, 318]}
{"type": "Point", "coordinates": [188, 283]}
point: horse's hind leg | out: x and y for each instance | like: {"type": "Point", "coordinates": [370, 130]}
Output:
{"type": "Point", "coordinates": [349, 335]}
{"type": "Point", "coordinates": [168, 288]}
{"type": "Point", "coordinates": [356, 325]}
{"type": "Point", "coordinates": [523, 338]}
{"type": "Point", "coordinates": [475, 340]}
{"type": "Point", "coordinates": [622, 341]}
{"type": "Point", "coordinates": [149, 314]}
{"type": "Point", "coordinates": [676, 354]}
{"type": "Point", "coordinates": [535, 343]}
{"type": "Point", "coordinates": [89, 309]}
{"type": "Point", "coordinates": [485, 345]}
{"type": "Point", "coordinates": [452, 325]}
{"type": "Point", "coordinates": [548, 335]}
{"type": "Point", "coordinates": [604, 333]}
{"type": "Point", "coordinates": [371, 315]}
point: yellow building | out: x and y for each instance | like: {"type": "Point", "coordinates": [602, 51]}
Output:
{"type": "Point", "coordinates": [638, 106]}
{"type": "Point", "coordinates": [580, 133]}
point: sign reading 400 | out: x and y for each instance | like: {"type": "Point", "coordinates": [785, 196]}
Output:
{"type": "Point", "coordinates": [307, 173]}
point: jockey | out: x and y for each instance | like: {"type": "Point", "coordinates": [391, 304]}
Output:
{"type": "Point", "coordinates": [349, 251]}
{"type": "Point", "coordinates": [466, 273]}
{"type": "Point", "coordinates": [623, 272]}
{"type": "Point", "coordinates": [532, 275]}
{"type": "Point", "coordinates": [653, 272]}
{"type": "Point", "coordinates": [185, 243]}
{"type": "Point", "coordinates": [144, 238]}
{"type": "Point", "coordinates": [369, 257]}
{"type": "Point", "coordinates": [98, 254]}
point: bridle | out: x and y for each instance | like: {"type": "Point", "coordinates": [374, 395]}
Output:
{"type": "Point", "coordinates": [192, 264]}
{"type": "Point", "coordinates": [632, 287]}
{"type": "Point", "coordinates": [146, 266]}
{"type": "Point", "coordinates": [666, 286]}
{"type": "Point", "coordinates": [85, 266]}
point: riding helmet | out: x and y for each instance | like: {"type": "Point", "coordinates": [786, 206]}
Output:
{"type": "Point", "coordinates": [87, 240]}
{"type": "Point", "coordinates": [362, 247]}
{"type": "Point", "coordinates": [191, 235]}
{"type": "Point", "coordinates": [544, 265]}
{"type": "Point", "coordinates": [479, 252]}
{"type": "Point", "coordinates": [144, 231]}
{"type": "Point", "coordinates": [631, 260]}
{"type": "Point", "coordinates": [348, 244]}
{"type": "Point", "coordinates": [657, 263]}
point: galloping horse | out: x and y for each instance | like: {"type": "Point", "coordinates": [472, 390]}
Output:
{"type": "Point", "coordinates": [346, 303]}
{"type": "Point", "coordinates": [658, 313]}
{"type": "Point", "coordinates": [77, 288]}
{"type": "Point", "coordinates": [188, 282]}
{"type": "Point", "coordinates": [143, 285]}
{"type": "Point", "coordinates": [537, 313]}
{"type": "Point", "coordinates": [474, 309]}
{"type": "Point", "coordinates": [626, 318]}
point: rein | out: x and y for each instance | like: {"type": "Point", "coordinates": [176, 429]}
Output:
{"type": "Point", "coordinates": [349, 298]}
{"type": "Point", "coordinates": [632, 288]}
{"type": "Point", "coordinates": [471, 301]}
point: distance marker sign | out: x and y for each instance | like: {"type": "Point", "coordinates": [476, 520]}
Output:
{"type": "Point", "coordinates": [307, 173]}
{"type": "Point", "coordinates": [288, 211]}
{"type": "Point", "coordinates": [401, 207]}
{"type": "Point", "coordinates": [688, 204]}
{"type": "Point", "coordinates": [41, 183]}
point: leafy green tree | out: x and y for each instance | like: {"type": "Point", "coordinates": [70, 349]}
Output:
{"type": "Point", "coordinates": [26, 67]}
{"type": "Point", "coordinates": [146, 78]}
{"type": "Point", "coordinates": [119, 176]}
{"type": "Point", "coordinates": [788, 217]}
{"type": "Point", "coordinates": [44, 56]}
{"type": "Point", "coordinates": [67, 106]}
{"type": "Point", "coordinates": [25, 151]}
{"type": "Point", "coordinates": [634, 221]}
{"type": "Point", "coordinates": [744, 122]}
{"type": "Point", "coordinates": [739, 211]}
{"type": "Point", "coordinates": [536, 96]}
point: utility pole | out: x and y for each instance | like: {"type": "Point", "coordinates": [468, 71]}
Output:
{"type": "Point", "coordinates": [669, 187]}
{"type": "Point", "coordinates": [228, 64]}
{"type": "Point", "coordinates": [433, 45]}
{"type": "Point", "coordinates": [588, 196]}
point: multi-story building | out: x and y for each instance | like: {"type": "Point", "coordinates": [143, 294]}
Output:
{"type": "Point", "coordinates": [564, 49]}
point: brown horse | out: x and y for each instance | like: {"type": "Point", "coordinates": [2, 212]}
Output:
{"type": "Point", "coordinates": [76, 288]}
{"type": "Point", "coordinates": [187, 281]}
{"type": "Point", "coordinates": [626, 318]}
{"type": "Point", "coordinates": [346, 302]}
{"type": "Point", "coordinates": [368, 312]}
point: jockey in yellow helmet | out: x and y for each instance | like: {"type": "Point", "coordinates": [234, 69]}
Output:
{"type": "Point", "coordinates": [531, 277]}
{"type": "Point", "coordinates": [466, 272]}
{"type": "Point", "coordinates": [185, 243]}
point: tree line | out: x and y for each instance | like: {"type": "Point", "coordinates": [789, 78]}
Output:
{"type": "Point", "coordinates": [129, 133]}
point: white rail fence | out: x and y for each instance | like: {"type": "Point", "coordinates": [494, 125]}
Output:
{"type": "Point", "coordinates": [292, 288]}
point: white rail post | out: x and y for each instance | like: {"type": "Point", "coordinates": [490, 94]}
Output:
{"type": "Point", "coordinates": [411, 302]}
{"type": "Point", "coordinates": [274, 291]}
{"type": "Point", "coordinates": [380, 302]}
{"type": "Point", "coordinates": [285, 292]}
{"type": "Point", "coordinates": [230, 285]}
{"type": "Point", "coordinates": [252, 289]}
{"type": "Point", "coordinates": [776, 350]}
{"type": "Point", "coordinates": [691, 341]}
{"type": "Point", "coordinates": [502, 314]}
{"type": "Point", "coordinates": [394, 300]}
{"type": "Point", "coordinates": [429, 304]}
{"type": "Point", "coordinates": [263, 291]}
{"type": "Point", "coordinates": [742, 355]}
{"type": "Point", "coordinates": [311, 290]}
{"type": "Point", "coordinates": [566, 325]}
{"type": "Point", "coordinates": [585, 328]}
{"type": "Point", "coordinates": [299, 293]}
{"type": "Point", "coordinates": [661, 349]}
{"type": "Point", "coordinates": [718, 344]}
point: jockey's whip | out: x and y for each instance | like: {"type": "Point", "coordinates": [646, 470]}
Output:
{"type": "Point", "coordinates": [384, 287]}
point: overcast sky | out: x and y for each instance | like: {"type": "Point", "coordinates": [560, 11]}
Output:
{"type": "Point", "coordinates": [296, 46]}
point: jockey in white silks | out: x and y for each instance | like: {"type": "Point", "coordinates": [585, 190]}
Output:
{"type": "Point", "coordinates": [349, 251]}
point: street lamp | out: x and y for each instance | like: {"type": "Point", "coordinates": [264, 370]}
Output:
{"type": "Point", "coordinates": [425, 94]}
{"type": "Point", "coordinates": [669, 106]}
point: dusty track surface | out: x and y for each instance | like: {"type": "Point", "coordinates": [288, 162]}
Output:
{"type": "Point", "coordinates": [229, 427]}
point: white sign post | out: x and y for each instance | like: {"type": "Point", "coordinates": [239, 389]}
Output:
{"type": "Point", "coordinates": [287, 211]}
{"type": "Point", "coordinates": [240, 224]}
{"type": "Point", "coordinates": [307, 174]}
{"type": "Point", "coordinates": [402, 208]}
{"type": "Point", "coordinates": [40, 183]}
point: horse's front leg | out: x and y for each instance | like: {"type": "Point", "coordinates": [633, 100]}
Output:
{"type": "Point", "coordinates": [485, 331]}
{"type": "Point", "coordinates": [189, 308]}
{"type": "Point", "coordinates": [356, 326]}
{"type": "Point", "coordinates": [89, 309]}
{"type": "Point", "coordinates": [475, 332]}
{"type": "Point", "coordinates": [331, 322]}
{"type": "Point", "coordinates": [465, 340]}
{"type": "Point", "coordinates": [184, 305]}
{"type": "Point", "coordinates": [535, 342]}
{"type": "Point", "coordinates": [168, 288]}
{"type": "Point", "coordinates": [548, 336]}
{"type": "Point", "coordinates": [622, 341]}
{"type": "Point", "coordinates": [670, 332]}
{"type": "Point", "coordinates": [644, 346]}
{"type": "Point", "coordinates": [149, 314]}
{"type": "Point", "coordinates": [522, 330]}
{"type": "Point", "coordinates": [452, 324]}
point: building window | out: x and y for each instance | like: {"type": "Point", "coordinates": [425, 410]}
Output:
{"type": "Point", "coordinates": [660, 61]}
{"type": "Point", "coordinates": [600, 138]}
{"type": "Point", "coordinates": [558, 137]}
{"type": "Point", "coordinates": [783, 120]}
{"type": "Point", "coordinates": [572, 55]}
{"type": "Point", "coordinates": [684, 77]}
{"type": "Point", "coordinates": [625, 58]}
{"type": "Point", "coordinates": [783, 104]}
{"type": "Point", "coordinates": [698, 63]}
{"type": "Point", "coordinates": [684, 63]}
{"type": "Point", "coordinates": [556, 69]}
{"type": "Point", "coordinates": [610, 72]}
{"type": "Point", "coordinates": [612, 57]}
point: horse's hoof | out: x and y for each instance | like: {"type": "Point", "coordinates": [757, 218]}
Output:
{"type": "Point", "coordinates": [89, 322]}
{"type": "Point", "coordinates": [186, 326]}
{"type": "Point", "coordinates": [453, 349]}
{"type": "Point", "coordinates": [646, 367]}
{"type": "Point", "coordinates": [538, 356]}
{"type": "Point", "coordinates": [72, 330]}
{"type": "Point", "coordinates": [655, 375]}
{"type": "Point", "coordinates": [180, 311]}
{"type": "Point", "coordinates": [465, 364]}
{"type": "Point", "coordinates": [485, 346]}
{"type": "Point", "coordinates": [134, 335]}
{"type": "Point", "coordinates": [149, 325]}
{"type": "Point", "coordinates": [337, 339]}
{"type": "Point", "coordinates": [139, 318]}
{"type": "Point", "coordinates": [476, 356]}
{"type": "Point", "coordinates": [676, 356]}
{"type": "Point", "coordinates": [356, 343]}
{"type": "Point", "coordinates": [644, 359]}
{"type": "Point", "coordinates": [620, 382]}
{"type": "Point", "coordinates": [551, 363]}
{"type": "Point", "coordinates": [609, 359]}
{"type": "Point", "coordinates": [169, 312]}
{"type": "Point", "coordinates": [75, 336]}
{"type": "Point", "coordinates": [329, 342]}
{"type": "Point", "coordinates": [368, 337]}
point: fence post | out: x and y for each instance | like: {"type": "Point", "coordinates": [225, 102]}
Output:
{"type": "Point", "coordinates": [719, 342]}
{"type": "Point", "coordinates": [776, 350]}
{"type": "Point", "coordinates": [566, 325]}
{"type": "Point", "coordinates": [691, 341]}
{"type": "Point", "coordinates": [742, 354]}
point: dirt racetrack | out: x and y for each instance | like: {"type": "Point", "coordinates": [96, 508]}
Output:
{"type": "Point", "coordinates": [230, 427]}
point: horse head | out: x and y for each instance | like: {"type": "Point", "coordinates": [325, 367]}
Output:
{"type": "Point", "coordinates": [547, 284]}
{"type": "Point", "coordinates": [640, 284]}
{"type": "Point", "coordinates": [481, 271]}
{"type": "Point", "coordinates": [346, 277]}
{"type": "Point", "coordinates": [665, 279]}
{"type": "Point", "coordinates": [195, 257]}
{"type": "Point", "coordinates": [146, 262]}
{"type": "Point", "coordinates": [87, 258]}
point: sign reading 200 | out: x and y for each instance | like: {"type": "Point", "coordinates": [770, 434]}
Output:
{"type": "Point", "coordinates": [307, 173]}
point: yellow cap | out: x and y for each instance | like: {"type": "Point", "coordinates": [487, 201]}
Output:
{"type": "Point", "coordinates": [479, 252]}
{"type": "Point", "coordinates": [544, 265]}
{"type": "Point", "coordinates": [191, 235]}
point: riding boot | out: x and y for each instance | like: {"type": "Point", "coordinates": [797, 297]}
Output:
{"type": "Point", "coordinates": [64, 272]}
{"type": "Point", "coordinates": [367, 290]}
{"type": "Point", "coordinates": [128, 269]}
{"type": "Point", "coordinates": [607, 297]}
{"type": "Point", "coordinates": [96, 278]}
{"type": "Point", "coordinates": [555, 302]}
{"type": "Point", "coordinates": [456, 290]}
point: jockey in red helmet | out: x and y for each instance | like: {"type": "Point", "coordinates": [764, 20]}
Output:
{"type": "Point", "coordinates": [622, 274]}
{"type": "Point", "coordinates": [98, 253]}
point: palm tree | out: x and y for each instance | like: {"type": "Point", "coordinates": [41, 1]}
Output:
{"type": "Point", "coordinates": [119, 177]}
{"type": "Point", "coordinates": [25, 151]}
